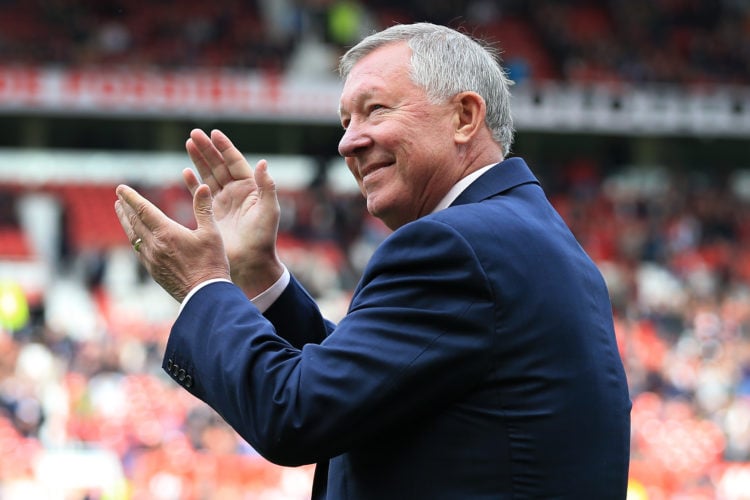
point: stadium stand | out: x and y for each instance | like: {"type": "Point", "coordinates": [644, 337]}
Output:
{"type": "Point", "coordinates": [683, 41]}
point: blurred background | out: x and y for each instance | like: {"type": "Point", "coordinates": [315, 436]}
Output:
{"type": "Point", "coordinates": [635, 115]}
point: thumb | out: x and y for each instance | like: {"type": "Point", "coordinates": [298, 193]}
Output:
{"type": "Point", "coordinates": [202, 206]}
{"type": "Point", "coordinates": [266, 185]}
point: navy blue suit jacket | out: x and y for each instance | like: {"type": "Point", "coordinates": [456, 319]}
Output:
{"type": "Point", "coordinates": [477, 361]}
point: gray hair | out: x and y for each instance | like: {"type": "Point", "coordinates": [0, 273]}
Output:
{"type": "Point", "coordinates": [446, 62]}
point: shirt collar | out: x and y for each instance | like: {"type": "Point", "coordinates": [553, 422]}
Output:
{"type": "Point", "coordinates": [459, 187]}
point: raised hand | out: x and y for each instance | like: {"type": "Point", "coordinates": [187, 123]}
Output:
{"type": "Point", "coordinates": [245, 206]}
{"type": "Point", "coordinates": [177, 258]}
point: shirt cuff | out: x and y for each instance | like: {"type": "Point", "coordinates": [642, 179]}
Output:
{"type": "Point", "coordinates": [262, 301]}
{"type": "Point", "coordinates": [266, 298]}
{"type": "Point", "coordinates": [198, 287]}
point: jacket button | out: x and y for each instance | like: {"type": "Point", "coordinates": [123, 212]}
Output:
{"type": "Point", "coordinates": [181, 375]}
{"type": "Point", "coordinates": [169, 364]}
{"type": "Point", "coordinates": [188, 381]}
{"type": "Point", "coordinates": [175, 369]}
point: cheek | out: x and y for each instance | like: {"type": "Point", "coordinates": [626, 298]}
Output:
{"type": "Point", "coordinates": [400, 188]}
{"type": "Point", "coordinates": [351, 164]}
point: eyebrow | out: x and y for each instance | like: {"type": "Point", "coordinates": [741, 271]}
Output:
{"type": "Point", "coordinates": [365, 95]}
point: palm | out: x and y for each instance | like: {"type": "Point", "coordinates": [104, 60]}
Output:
{"type": "Point", "coordinates": [245, 207]}
{"type": "Point", "coordinates": [240, 219]}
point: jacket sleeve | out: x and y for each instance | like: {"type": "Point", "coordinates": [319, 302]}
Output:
{"type": "Point", "coordinates": [417, 336]}
{"type": "Point", "coordinates": [297, 318]}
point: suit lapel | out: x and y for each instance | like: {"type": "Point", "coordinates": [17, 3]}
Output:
{"type": "Point", "coordinates": [504, 176]}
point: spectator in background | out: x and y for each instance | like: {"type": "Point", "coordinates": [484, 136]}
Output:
{"type": "Point", "coordinates": [478, 357]}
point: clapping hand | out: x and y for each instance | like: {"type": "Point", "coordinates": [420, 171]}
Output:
{"type": "Point", "coordinates": [177, 258]}
{"type": "Point", "coordinates": [245, 208]}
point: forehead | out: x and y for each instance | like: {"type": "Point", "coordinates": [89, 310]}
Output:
{"type": "Point", "coordinates": [384, 69]}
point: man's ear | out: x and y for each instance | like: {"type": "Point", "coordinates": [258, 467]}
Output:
{"type": "Point", "coordinates": [470, 115]}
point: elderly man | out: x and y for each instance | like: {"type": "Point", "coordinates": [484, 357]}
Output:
{"type": "Point", "coordinates": [477, 358]}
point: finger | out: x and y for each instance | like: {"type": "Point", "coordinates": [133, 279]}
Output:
{"type": "Point", "coordinates": [202, 208]}
{"type": "Point", "coordinates": [208, 159]}
{"type": "Point", "coordinates": [125, 222]}
{"type": "Point", "coordinates": [191, 180]}
{"type": "Point", "coordinates": [194, 151]}
{"type": "Point", "coordinates": [266, 186]}
{"type": "Point", "coordinates": [144, 217]}
{"type": "Point", "coordinates": [133, 228]}
{"type": "Point", "coordinates": [234, 160]}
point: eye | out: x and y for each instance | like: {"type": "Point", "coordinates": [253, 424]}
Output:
{"type": "Point", "coordinates": [375, 107]}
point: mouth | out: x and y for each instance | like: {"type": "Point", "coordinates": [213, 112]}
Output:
{"type": "Point", "coordinates": [373, 167]}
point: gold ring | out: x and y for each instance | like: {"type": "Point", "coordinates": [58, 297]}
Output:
{"type": "Point", "coordinates": [137, 244]}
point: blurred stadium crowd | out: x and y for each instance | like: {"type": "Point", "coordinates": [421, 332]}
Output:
{"type": "Point", "coordinates": [641, 41]}
{"type": "Point", "coordinates": [80, 379]}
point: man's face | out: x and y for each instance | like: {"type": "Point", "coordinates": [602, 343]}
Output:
{"type": "Point", "coordinates": [397, 144]}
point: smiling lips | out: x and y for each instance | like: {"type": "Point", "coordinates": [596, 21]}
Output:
{"type": "Point", "coordinates": [372, 167]}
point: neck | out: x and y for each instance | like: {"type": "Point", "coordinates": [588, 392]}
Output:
{"type": "Point", "coordinates": [480, 154]}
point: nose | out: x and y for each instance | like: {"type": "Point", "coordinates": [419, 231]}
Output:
{"type": "Point", "coordinates": [353, 141]}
